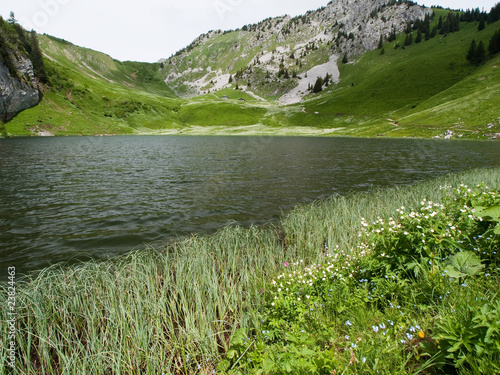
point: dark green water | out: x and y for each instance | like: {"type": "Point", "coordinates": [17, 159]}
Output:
{"type": "Point", "coordinates": [80, 197]}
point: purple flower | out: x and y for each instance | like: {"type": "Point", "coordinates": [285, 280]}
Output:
{"type": "Point", "coordinates": [286, 264]}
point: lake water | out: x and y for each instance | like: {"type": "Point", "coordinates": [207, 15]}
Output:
{"type": "Point", "coordinates": [80, 197]}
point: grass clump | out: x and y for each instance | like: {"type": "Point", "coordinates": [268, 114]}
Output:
{"type": "Point", "coordinates": [220, 303]}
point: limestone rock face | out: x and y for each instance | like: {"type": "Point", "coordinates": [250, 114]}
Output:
{"type": "Point", "coordinates": [20, 92]}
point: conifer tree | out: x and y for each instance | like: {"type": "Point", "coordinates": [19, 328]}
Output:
{"type": "Point", "coordinates": [480, 55]}
{"type": "Point", "coordinates": [472, 51]}
{"type": "Point", "coordinates": [12, 18]}
{"type": "Point", "coordinates": [37, 59]}
{"type": "Point", "coordinates": [482, 25]}
{"type": "Point", "coordinates": [419, 37]}
{"type": "Point", "coordinates": [494, 46]}
{"type": "Point", "coordinates": [434, 31]}
{"type": "Point", "coordinates": [345, 59]}
{"type": "Point", "coordinates": [318, 86]}
{"type": "Point", "coordinates": [427, 31]}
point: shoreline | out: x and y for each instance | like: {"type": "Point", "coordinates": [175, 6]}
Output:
{"type": "Point", "coordinates": [258, 130]}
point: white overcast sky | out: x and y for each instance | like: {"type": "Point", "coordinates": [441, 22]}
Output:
{"type": "Point", "coordinates": [148, 30]}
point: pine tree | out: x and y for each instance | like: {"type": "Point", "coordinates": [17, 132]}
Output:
{"type": "Point", "coordinates": [440, 23]}
{"type": "Point", "coordinates": [12, 18]}
{"type": "Point", "coordinates": [477, 53]}
{"type": "Point", "coordinates": [37, 59]}
{"type": "Point", "coordinates": [427, 31]}
{"type": "Point", "coordinates": [419, 37]}
{"type": "Point", "coordinates": [482, 25]}
{"type": "Point", "coordinates": [494, 46]}
{"type": "Point", "coordinates": [344, 59]}
{"type": "Point", "coordinates": [472, 51]}
{"type": "Point", "coordinates": [318, 86]}
{"type": "Point", "coordinates": [480, 55]}
{"type": "Point", "coordinates": [381, 42]}
{"type": "Point", "coordinates": [434, 31]}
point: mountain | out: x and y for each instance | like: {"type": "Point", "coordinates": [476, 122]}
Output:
{"type": "Point", "coordinates": [285, 55]}
{"type": "Point", "coordinates": [378, 68]}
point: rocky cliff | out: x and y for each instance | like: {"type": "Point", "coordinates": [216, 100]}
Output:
{"type": "Point", "coordinates": [17, 91]}
{"type": "Point", "coordinates": [21, 69]}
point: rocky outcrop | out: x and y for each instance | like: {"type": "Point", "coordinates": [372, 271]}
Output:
{"type": "Point", "coordinates": [17, 92]}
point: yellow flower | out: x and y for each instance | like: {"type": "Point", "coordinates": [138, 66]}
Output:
{"type": "Point", "coordinates": [421, 334]}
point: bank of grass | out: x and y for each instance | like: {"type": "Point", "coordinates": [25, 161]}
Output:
{"type": "Point", "coordinates": [183, 309]}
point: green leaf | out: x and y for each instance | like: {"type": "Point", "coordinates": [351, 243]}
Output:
{"type": "Point", "coordinates": [231, 354]}
{"type": "Point", "coordinates": [223, 365]}
{"type": "Point", "coordinates": [464, 264]}
{"type": "Point", "coordinates": [488, 213]}
{"type": "Point", "coordinates": [238, 338]}
{"type": "Point", "coordinates": [497, 229]}
{"type": "Point", "coordinates": [455, 347]}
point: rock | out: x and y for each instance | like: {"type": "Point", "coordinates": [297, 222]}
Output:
{"type": "Point", "coordinates": [448, 135]}
{"type": "Point", "coordinates": [17, 94]}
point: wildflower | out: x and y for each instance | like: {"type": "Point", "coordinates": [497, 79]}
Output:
{"type": "Point", "coordinates": [363, 359]}
{"type": "Point", "coordinates": [348, 323]}
{"type": "Point", "coordinates": [286, 264]}
{"type": "Point", "coordinates": [375, 329]}
{"type": "Point", "coordinates": [353, 345]}
{"type": "Point", "coordinates": [421, 334]}
{"type": "Point", "coordinates": [347, 337]}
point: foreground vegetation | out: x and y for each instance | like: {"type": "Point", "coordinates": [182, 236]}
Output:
{"type": "Point", "coordinates": [353, 284]}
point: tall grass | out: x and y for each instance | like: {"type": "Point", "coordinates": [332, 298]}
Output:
{"type": "Point", "coordinates": [174, 310]}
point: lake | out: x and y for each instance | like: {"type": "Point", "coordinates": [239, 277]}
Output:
{"type": "Point", "coordinates": [77, 198]}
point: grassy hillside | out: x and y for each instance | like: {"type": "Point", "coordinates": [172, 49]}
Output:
{"type": "Point", "coordinates": [422, 90]}
{"type": "Point", "coordinates": [90, 93]}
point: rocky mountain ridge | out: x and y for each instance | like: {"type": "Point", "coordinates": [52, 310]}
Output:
{"type": "Point", "coordinates": [279, 57]}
